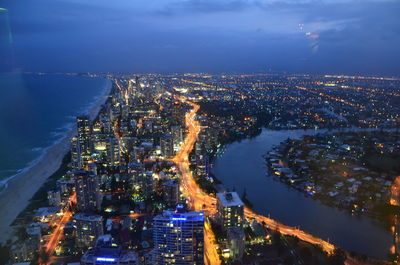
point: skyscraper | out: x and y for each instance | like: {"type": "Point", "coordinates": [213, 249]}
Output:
{"type": "Point", "coordinates": [166, 144]}
{"type": "Point", "coordinates": [230, 210]}
{"type": "Point", "coordinates": [84, 128]}
{"type": "Point", "coordinates": [87, 191]}
{"type": "Point", "coordinates": [177, 136]}
{"type": "Point", "coordinates": [179, 238]}
{"type": "Point", "coordinates": [88, 229]}
{"type": "Point", "coordinates": [113, 151]}
{"type": "Point", "coordinates": [170, 192]}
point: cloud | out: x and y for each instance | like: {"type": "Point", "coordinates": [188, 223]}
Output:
{"type": "Point", "coordinates": [204, 34]}
{"type": "Point", "coordinates": [202, 6]}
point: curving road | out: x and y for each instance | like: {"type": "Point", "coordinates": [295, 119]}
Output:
{"type": "Point", "coordinates": [201, 201]}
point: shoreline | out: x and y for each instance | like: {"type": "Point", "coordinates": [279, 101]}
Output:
{"type": "Point", "coordinates": [20, 188]}
{"type": "Point", "coordinates": [218, 156]}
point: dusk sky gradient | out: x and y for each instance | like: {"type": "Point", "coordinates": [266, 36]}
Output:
{"type": "Point", "coordinates": [165, 36]}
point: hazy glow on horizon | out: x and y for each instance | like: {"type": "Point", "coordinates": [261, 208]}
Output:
{"type": "Point", "coordinates": [344, 36]}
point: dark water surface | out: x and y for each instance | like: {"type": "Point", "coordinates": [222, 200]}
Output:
{"type": "Point", "coordinates": [242, 166]}
{"type": "Point", "coordinates": [36, 111]}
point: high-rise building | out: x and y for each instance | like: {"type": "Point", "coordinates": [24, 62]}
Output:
{"type": "Point", "coordinates": [84, 128]}
{"type": "Point", "coordinates": [76, 158]}
{"type": "Point", "coordinates": [23, 252]}
{"type": "Point", "coordinates": [26, 250]}
{"type": "Point", "coordinates": [170, 192]}
{"type": "Point", "coordinates": [230, 210]}
{"type": "Point", "coordinates": [202, 166]}
{"type": "Point", "coordinates": [179, 238]}
{"type": "Point", "coordinates": [113, 151]}
{"type": "Point", "coordinates": [106, 251]}
{"type": "Point", "coordinates": [166, 144]}
{"type": "Point", "coordinates": [87, 191]}
{"type": "Point", "coordinates": [54, 197]}
{"type": "Point", "coordinates": [88, 228]}
{"type": "Point", "coordinates": [177, 136]}
{"type": "Point", "coordinates": [143, 184]}
{"type": "Point", "coordinates": [236, 243]}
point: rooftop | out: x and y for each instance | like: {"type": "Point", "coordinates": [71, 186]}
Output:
{"type": "Point", "coordinates": [186, 216]}
{"type": "Point", "coordinates": [87, 217]}
{"type": "Point", "coordinates": [229, 199]}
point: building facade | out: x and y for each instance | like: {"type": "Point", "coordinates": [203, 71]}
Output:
{"type": "Point", "coordinates": [88, 228]}
{"type": "Point", "coordinates": [179, 238]}
{"type": "Point", "coordinates": [230, 210]}
{"type": "Point", "coordinates": [87, 191]}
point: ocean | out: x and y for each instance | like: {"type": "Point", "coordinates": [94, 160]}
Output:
{"type": "Point", "coordinates": [36, 111]}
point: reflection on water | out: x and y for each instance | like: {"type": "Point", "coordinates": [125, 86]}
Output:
{"type": "Point", "coordinates": [242, 166]}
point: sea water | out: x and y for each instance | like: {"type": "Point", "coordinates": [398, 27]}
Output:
{"type": "Point", "coordinates": [36, 111]}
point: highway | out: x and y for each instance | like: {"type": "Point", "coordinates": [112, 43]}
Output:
{"type": "Point", "coordinates": [201, 201]}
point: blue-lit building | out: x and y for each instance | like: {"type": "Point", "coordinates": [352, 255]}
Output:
{"type": "Point", "coordinates": [106, 251]}
{"type": "Point", "coordinates": [179, 238]}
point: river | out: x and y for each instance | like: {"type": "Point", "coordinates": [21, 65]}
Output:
{"type": "Point", "coordinates": [241, 165]}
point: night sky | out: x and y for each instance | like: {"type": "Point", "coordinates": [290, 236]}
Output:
{"type": "Point", "coordinates": [215, 36]}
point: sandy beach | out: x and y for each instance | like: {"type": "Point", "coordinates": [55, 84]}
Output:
{"type": "Point", "coordinates": [23, 186]}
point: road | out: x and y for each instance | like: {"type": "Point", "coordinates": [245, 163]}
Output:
{"type": "Point", "coordinates": [57, 233]}
{"type": "Point", "coordinates": [201, 201]}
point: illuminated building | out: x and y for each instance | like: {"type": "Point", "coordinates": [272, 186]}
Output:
{"type": "Point", "coordinates": [88, 229]}
{"type": "Point", "coordinates": [143, 184]}
{"type": "Point", "coordinates": [177, 136]}
{"type": "Point", "coordinates": [113, 151]}
{"type": "Point", "coordinates": [166, 144]}
{"type": "Point", "coordinates": [230, 210]}
{"type": "Point", "coordinates": [54, 197]}
{"type": "Point", "coordinates": [76, 158]}
{"type": "Point", "coordinates": [84, 128]}
{"type": "Point", "coordinates": [202, 166]}
{"type": "Point", "coordinates": [170, 192]}
{"type": "Point", "coordinates": [236, 243]}
{"type": "Point", "coordinates": [26, 250]}
{"type": "Point", "coordinates": [87, 191]}
{"type": "Point", "coordinates": [107, 251]}
{"type": "Point", "coordinates": [202, 161]}
{"type": "Point", "coordinates": [106, 149]}
{"type": "Point", "coordinates": [179, 238]}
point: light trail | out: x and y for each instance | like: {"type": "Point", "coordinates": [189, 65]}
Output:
{"type": "Point", "coordinates": [201, 201]}
{"type": "Point", "coordinates": [57, 234]}
{"type": "Point", "coordinates": [331, 97]}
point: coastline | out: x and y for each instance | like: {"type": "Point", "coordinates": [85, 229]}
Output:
{"type": "Point", "coordinates": [20, 188]}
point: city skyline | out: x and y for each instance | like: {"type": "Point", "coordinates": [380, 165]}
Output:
{"type": "Point", "coordinates": [200, 132]}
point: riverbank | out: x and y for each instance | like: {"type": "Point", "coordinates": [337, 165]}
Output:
{"type": "Point", "coordinates": [21, 188]}
{"type": "Point", "coordinates": [294, 209]}
{"type": "Point", "coordinates": [352, 171]}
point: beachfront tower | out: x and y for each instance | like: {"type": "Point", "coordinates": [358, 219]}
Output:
{"type": "Point", "coordinates": [84, 128]}
{"type": "Point", "coordinates": [87, 191]}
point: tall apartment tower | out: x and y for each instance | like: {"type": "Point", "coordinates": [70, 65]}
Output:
{"type": "Point", "coordinates": [87, 191]}
{"type": "Point", "coordinates": [177, 136]}
{"type": "Point", "coordinates": [179, 238]}
{"type": "Point", "coordinates": [230, 210]}
{"type": "Point", "coordinates": [88, 228]}
{"type": "Point", "coordinates": [167, 146]}
{"type": "Point", "coordinates": [84, 128]}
